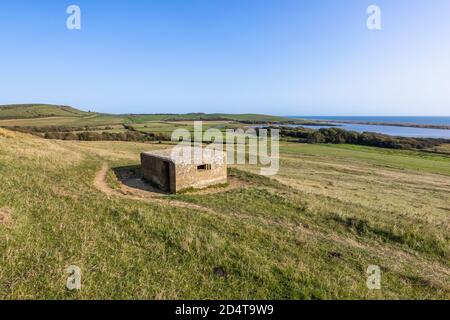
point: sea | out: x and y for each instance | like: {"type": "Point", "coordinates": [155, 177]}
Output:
{"type": "Point", "coordinates": [388, 130]}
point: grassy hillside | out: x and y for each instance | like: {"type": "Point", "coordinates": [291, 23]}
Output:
{"type": "Point", "coordinates": [51, 115]}
{"type": "Point", "coordinates": [27, 111]}
{"type": "Point", "coordinates": [399, 159]}
{"type": "Point", "coordinates": [204, 116]}
{"type": "Point", "coordinates": [251, 117]}
{"type": "Point", "coordinates": [308, 233]}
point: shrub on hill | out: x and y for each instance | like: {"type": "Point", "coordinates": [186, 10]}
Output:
{"type": "Point", "coordinates": [92, 134]}
{"type": "Point", "coordinates": [135, 136]}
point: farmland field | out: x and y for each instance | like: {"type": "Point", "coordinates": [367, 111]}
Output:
{"type": "Point", "coordinates": [50, 118]}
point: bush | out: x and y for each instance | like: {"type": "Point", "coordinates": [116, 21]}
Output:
{"type": "Point", "coordinates": [71, 136]}
{"type": "Point", "coordinates": [53, 135]}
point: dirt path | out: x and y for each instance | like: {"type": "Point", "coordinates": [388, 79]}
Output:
{"type": "Point", "coordinates": [126, 193]}
{"type": "Point", "coordinates": [100, 181]}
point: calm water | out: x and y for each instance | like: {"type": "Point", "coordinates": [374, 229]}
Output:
{"type": "Point", "coordinates": [415, 120]}
{"type": "Point", "coordinates": [391, 130]}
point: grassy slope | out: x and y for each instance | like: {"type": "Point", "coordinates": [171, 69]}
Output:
{"type": "Point", "coordinates": [93, 120]}
{"type": "Point", "coordinates": [50, 115]}
{"type": "Point", "coordinates": [206, 117]}
{"type": "Point", "coordinates": [38, 111]}
{"type": "Point", "coordinates": [250, 117]}
{"type": "Point", "coordinates": [400, 159]}
{"type": "Point", "coordinates": [311, 233]}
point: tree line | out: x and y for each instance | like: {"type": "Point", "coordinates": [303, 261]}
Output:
{"type": "Point", "coordinates": [340, 136]}
{"type": "Point", "coordinates": [129, 135]}
{"type": "Point", "coordinates": [92, 134]}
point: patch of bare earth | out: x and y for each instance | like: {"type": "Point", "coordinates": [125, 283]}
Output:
{"type": "Point", "coordinates": [5, 217]}
{"type": "Point", "coordinates": [100, 181]}
{"type": "Point", "coordinates": [139, 191]}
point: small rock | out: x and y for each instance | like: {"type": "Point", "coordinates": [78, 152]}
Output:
{"type": "Point", "coordinates": [220, 272]}
{"type": "Point", "coordinates": [335, 255]}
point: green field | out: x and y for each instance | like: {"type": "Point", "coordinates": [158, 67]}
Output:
{"type": "Point", "coordinates": [206, 117]}
{"type": "Point", "coordinates": [399, 159]}
{"type": "Point", "coordinates": [51, 115]}
{"type": "Point", "coordinates": [168, 127]}
{"type": "Point", "coordinates": [310, 232]}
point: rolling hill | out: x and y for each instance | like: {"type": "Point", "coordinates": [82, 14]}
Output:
{"type": "Point", "coordinates": [44, 115]}
{"type": "Point", "coordinates": [30, 111]}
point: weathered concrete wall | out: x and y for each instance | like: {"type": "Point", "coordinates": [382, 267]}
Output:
{"type": "Point", "coordinates": [173, 174]}
{"type": "Point", "coordinates": [158, 172]}
{"type": "Point", "coordinates": [189, 176]}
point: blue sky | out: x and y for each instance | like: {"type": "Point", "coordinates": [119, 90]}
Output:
{"type": "Point", "coordinates": [285, 57]}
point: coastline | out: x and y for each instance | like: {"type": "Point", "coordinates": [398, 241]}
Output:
{"type": "Point", "coordinates": [392, 124]}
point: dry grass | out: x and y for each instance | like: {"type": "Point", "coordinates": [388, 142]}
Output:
{"type": "Point", "coordinates": [7, 133]}
{"type": "Point", "coordinates": [308, 233]}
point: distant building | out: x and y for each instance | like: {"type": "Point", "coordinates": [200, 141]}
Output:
{"type": "Point", "coordinates": [173, 170]}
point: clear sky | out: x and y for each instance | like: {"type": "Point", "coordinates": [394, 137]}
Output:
{"type": "Point", "coordinates": [284, 57]}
